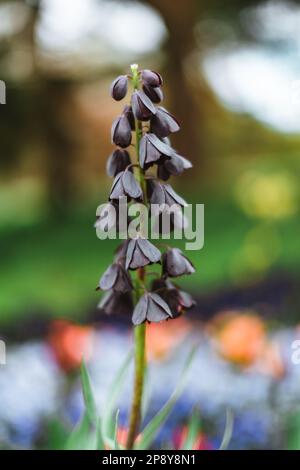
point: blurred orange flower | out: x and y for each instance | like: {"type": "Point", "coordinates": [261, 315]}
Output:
{"type": "Point", "coordinates": [70, 343]}
{"type": "Point", "coordinates": [271, 362]}
{"type": "Point", "coordinates": [162, 338]}
{"type": "Point", "coordinates": [122, 434]}
{"type": "Point", "coordinates": [240, 338]}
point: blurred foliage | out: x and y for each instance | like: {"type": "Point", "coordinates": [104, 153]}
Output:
{"type": "Point", "coordinates": [51, 267]}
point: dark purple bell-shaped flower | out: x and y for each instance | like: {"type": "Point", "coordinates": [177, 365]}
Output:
{"type": "Point", "coordinates": [154, 93]}
{"type": "Point", "coordinates": [175, 165]}
{"type": "Point", "coordinates": [164, 194]}
{"type": "Point", "coordinates": [151, 307]}
{"type": "Point", "coordinates": [178, 300]}
{"type": "Point", "coordinates": [152, 150]}
{"type": "Point", "coordinates": [151, 78]}
{"type": "Point", "coordinates": [121, 131]}
{"type": "Point", "coordinates": [120, 253]}
{"type": "Point", "coordinates": [117, 278]}
{"type": "Point", "coordinates": [142, 106]}
{"type": "Point", "coordinates": [175, 264]}
{"type": "Point", "coordinates": [125, 184]}
{"type": "Point", "coordinates": [127, 111]}
{"type": "Point", "coordinates": [117, 161]}
{"type": "Point", "coordinates": [114, 303]}
{"type": "Point", "coordinates": [163, 123]}
{"type": "Point", "coordinates": [140, 252]}
{"type": "Point", "coordinates": [118, 87]}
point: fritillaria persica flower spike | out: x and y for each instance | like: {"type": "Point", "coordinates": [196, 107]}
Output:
{"type": "Point", "coordinates": [146, 129]}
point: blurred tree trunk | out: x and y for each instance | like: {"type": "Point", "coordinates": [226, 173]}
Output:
{"type": "Point", "coordinates": [181, 18]}
{"type": "Point", "coordinates": [59, 143]}
{"type": "Point", "coordinates": [49, 118]}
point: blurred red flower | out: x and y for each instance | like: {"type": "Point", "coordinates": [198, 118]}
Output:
{"type": "Point", "coordinates": [201, 442]}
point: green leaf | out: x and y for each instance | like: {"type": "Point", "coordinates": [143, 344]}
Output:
{"type": "Point", "coordinates": [57, 434]}
{"type": "Point", "coordinates": [152, 428]}
{"type": "Point", "coordinates": [108, 421]}
{"type": "Point", "coordinates": [194, 426]}
{"type": "Point", "coordinates": [116, 446]}
{"type": "Point", "coordinates": [293, 431]}
{"type": "Point", "coordinates": [88, 394]}
{"type": "Point", "coordinates": [99, 441]}
{"type": "Point", "coordinates": [228, 430]}
{"type": "Point", "coordinates": [82, 437]}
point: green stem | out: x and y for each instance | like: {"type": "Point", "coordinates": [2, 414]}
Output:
{"type": "Point", "coordinates": [140, 330]}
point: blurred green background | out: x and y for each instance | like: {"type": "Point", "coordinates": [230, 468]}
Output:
{"type": "Point", "coordinates": [232, 78]}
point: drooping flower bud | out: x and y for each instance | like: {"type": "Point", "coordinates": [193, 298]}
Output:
{"type": "Point", "coordinates": [149, 77]}
{"type": "Point", "coordinates": [163, 123]}
{"type": "Point", "coordinates": [117, 278]}
{"type": "Point", "coordinates": [175, 165]}
{"type": "Point", "coordinates": [117, 161]}
{"type": "Point", "coordinates": [118, 87]}
{"type": "Point", "coordinates": [117, 303]}
{"type": "Point", "coordinates": [164, 194]}
{"type": "Point", "coordinates": [121, 131]}
{"type": "Point", "coordinates": [140, 252]}
{"type": "Point", "coordinates": [152, 149]}
{"type": "Point", "coordinates": [154, 93]}
{"type": "Point", "coordinates": [125, 184]}
{"type": "Point", "coordinates": [177, 300]}
{"type": "Point", "coordinates": [151, 307]}
{"type": "Point", "coordinates": [127, 111]}
{"type": "Point", "coordinates": [142, 106]}
{"type": "Point", "coordinates": [175, 264]}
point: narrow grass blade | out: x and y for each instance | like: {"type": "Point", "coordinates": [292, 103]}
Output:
{"type": "Point", "coordinates": [152, 428]}
{"type": "Point", "coordinates": [99, 440]}
{"type": "Point", "coordinates": [108, 422]}
{"type": "Point", "coordinates": [116, 430]}
{"type": "Point", "coordinates": [80, 437]}
{"type": "Point", "coordinates": [88, 394]}
{"type": "Point", "coordinates": [228, 430]}
{"type": "Point", "coordinates": [194, 426]}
